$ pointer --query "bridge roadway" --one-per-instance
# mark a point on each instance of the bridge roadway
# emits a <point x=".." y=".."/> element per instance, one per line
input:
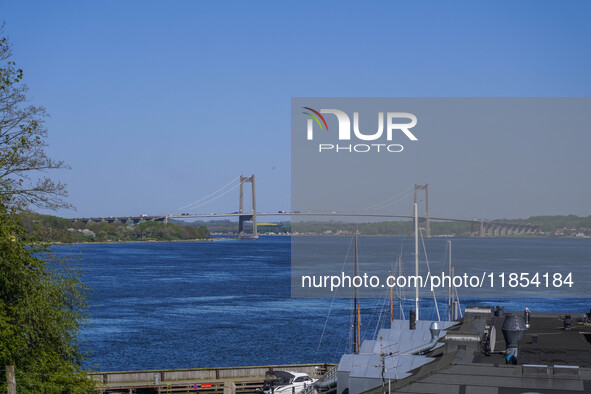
<point x="165" y="218"/>
<point x="236" y="214"/>
<point x="377" y="215"/>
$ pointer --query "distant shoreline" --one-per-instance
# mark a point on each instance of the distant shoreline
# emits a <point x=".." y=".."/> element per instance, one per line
<point x="139" y="242"/>
<point x="231" y="238"/>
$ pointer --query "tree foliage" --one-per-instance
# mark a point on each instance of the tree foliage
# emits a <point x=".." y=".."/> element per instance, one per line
<point x="52" y="229"/>
<point x="23" y="161"/>
<point x="42" y="298"/>
<point x="41" y="308"/>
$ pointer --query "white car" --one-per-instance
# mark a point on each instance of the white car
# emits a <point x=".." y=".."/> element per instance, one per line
<point x="285" y="382"/>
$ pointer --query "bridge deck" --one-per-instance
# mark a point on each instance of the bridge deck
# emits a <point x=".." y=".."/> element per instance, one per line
<point x="320" y="214"/>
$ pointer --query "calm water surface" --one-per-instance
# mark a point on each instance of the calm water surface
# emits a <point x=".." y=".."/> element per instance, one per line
<point x="227" y="303"/>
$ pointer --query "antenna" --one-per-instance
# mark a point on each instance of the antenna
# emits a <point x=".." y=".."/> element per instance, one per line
<point x="383" y="368"/>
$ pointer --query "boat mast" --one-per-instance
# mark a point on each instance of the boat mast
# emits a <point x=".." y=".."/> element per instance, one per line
<point x="401" y="310"/>
<point x="450" y="291"/>
<point x="416" y="259"/>
<point x="357" y="323"/>
<point x="358" y="327"/>
<point x="391" y="304"/>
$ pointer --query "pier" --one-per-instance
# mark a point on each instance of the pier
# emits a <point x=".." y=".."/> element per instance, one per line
<point x="226" y="380"/>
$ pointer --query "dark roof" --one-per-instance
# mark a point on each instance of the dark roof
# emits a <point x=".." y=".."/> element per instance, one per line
<point x="550" y="358"/>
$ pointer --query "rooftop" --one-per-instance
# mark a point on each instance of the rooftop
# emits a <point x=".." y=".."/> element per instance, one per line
<point x="553" y="355"/>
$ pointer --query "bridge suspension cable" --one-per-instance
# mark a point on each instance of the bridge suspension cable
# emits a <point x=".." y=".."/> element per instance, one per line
<point x="194" y="203"/>
<point x="216" y="197"/>
<point x="392" y="200"/>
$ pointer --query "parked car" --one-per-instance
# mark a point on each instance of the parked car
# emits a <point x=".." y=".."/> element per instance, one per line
<point x="285" y="382"/>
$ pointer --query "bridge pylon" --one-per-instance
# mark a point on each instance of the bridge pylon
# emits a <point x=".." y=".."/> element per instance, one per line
<point x="247" y="217"/>
<point x="426" y="219"/>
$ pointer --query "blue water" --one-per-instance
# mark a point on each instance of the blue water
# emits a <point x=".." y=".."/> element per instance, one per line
<point x="227" y="303"/>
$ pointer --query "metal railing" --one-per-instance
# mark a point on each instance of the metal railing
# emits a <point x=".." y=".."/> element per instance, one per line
<point x="330" y="374"/>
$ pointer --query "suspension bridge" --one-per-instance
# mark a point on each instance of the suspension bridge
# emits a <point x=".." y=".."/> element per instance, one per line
<point x="486" y="227"/>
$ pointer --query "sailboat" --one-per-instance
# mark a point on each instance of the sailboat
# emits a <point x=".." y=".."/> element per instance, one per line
<point x="396" y="352"/>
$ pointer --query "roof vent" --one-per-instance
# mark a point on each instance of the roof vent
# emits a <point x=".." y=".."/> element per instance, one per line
<point x="500" y="311"/>
<point x="435" y="330"/>
<point x="513" y="331"/>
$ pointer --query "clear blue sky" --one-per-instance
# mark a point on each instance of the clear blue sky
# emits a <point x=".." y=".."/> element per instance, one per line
<point x="156" y="104"/>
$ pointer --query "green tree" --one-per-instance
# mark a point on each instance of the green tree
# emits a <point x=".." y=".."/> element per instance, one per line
<point x="23" y="161"/>
<point x="41" y="305"/>
<point x="41" y="297"/>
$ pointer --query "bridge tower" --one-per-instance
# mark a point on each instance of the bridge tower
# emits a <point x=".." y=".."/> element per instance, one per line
<point x="247" y="217"/>
<point x="424" y="219"/>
